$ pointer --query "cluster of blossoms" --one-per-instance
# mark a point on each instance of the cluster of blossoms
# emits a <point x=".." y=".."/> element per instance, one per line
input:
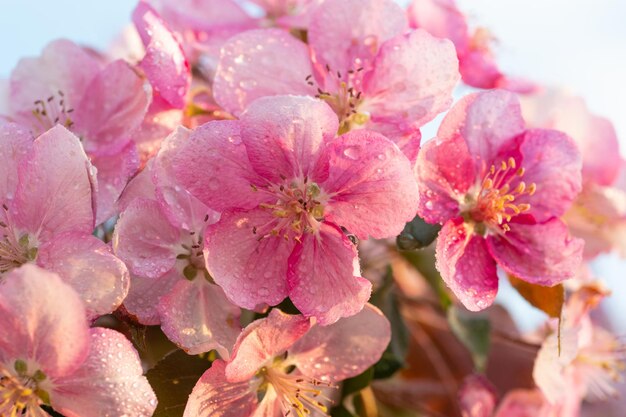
<point x="231" y="176"/>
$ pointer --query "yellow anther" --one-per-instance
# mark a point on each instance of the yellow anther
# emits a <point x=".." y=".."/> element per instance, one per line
<point x="520" y="172"/>
<point x="511" y="163"/>
<point x="532" y="188"/>
<point x="520" y="187"/>
<point x="488" y="183"/>
<point x="523" y="207"/>
<point x="503" y="165"/>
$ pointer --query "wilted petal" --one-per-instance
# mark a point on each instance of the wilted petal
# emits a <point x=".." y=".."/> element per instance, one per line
<point x="262" y="340"/>
<point x="55" y="190"/>
<point x="541" y="253"/>
<point x="411" y="82"/>
<point x="215" y="396"/>
<point x="343" y="349"/>
<point x="284" y="135"/>
<point x="466" y="265"/>
<point x="39" y="314"/>
<point x="371" y="186"/>
<point x="198" y="317"/>
<point x="343" y="30"/>
<point x="246" y="260"/>
<point x="89" y="266"/>
<point x="324" y="277"/>
<point x="252" y="65"/>
<point x="109" y="382"/>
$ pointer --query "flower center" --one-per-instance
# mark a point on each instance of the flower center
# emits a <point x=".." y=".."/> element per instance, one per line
<point x="14" y="252"/>
<point x="50" y="112"/>
<point x="190" y="259"/>
<point x="604" y="365"/>
<point x="20" y="392"/>
<point x="298" y="209"/>
<point x="343" y="94"/>
<point x="495" y="204"/>
<point x="299" y="395"/>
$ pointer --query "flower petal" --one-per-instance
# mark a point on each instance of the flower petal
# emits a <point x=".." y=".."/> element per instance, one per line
<point x="343" y="30"/>
<point x="371" y="185"/>
<point x="466" y="265"/>
<point x="343" y="349"/>
<point x="284" y="135"/>
<point x="89" y="266"/>
<point x="112" y="107"/>
<point x="109" y="382"/>
<point x="324" y="278"/>
<point x="252" y="65"/>
<point x="246" y="260"/>
<point x="42" y="319"/>
<point x="55" y="190"/>
<point x="411" y="82"/>
<point x="262" y="340"/>
<point x="142" y="300"/>
<point x="477" y="397"/>
<point x="15" y="142"/>
<point x="215" y="396"/>
<point x="554" y="255"/>
<point x="198" y="317"/>
<point x="212" y="164"/>
<point x="441" y="18"/>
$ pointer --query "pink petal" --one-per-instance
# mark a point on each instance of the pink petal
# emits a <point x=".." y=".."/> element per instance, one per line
<point x="251" y="270"/>
<point x="553" y="162"/>
<point x="39" y="314"/>
<point x="197" y="316"/>
<point x="371" y="185"/>
<point x="62" y="66"/>
<point x="411" y="82"/>
<point x="262" y="340"/>
<point x="109" y="383"/>
<point x="487" y="121"/>
<point x="142" y="300"/>
<point x="324" y="278"/>
<point x="113" y="173"/>
<point x="441" y="18"/>
<point x="55" y="190"/>
<point x="477" y="397"/>
<point x="524" y="403"/>
<point x="542" y="253"/>
<point x="140" y="186"/>
<point x="215" y="396"/>
<point x="15" y="142"/>
<point x="344" y="349"/>
<point x="145" y="240"/>
<point x="160" y="121"/>
<point x="89" y="266"/>
<point x="466" y="266"/>
<point x="342" y="31"/>
<point x="206" y="16"/>
<point x="445" y="172"/>
<point x="252" y="65"/>
<point x="113" y="105"/>
<point x="284" y="135"/>
<point x="228" y="182"/>
<point x="165" y="63"/>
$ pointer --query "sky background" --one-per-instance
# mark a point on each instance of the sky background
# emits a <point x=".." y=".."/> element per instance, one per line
<point x="576" y="44"/>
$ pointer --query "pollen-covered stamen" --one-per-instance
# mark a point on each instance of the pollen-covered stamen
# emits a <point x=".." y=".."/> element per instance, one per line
<point x="51" y="111"/>
<point x="298" y="209"/>
<point x="190" y="258"/>
<point x="14" y="251"/>
<point x="496" y="201"/>
<point x="342" y="91"/>
<point x="300" y="396"/>
<point x="20" y="391"/>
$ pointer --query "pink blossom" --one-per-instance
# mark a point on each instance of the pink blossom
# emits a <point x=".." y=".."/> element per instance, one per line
<point x="598" y="215"/>
<point x="48" y="354"/>
<point x="499" y="191"/>
<point x="289" y="363"/>
<point x="47" y="190"/>
<point x="286" y="188"/>
<point x="160" y="237"/>
<point x="477" y="63"/>
<point x="102" y="105"/>
<point x="477" y="397"/>
<point x="370" y="71"/>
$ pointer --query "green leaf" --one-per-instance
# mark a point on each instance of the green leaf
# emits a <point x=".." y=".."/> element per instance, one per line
<point x="340" y="411"/>
<point x="473" y="330"/>
<point x="417" y="234"/>
<point x="173" y="378"/>
<point x="387" y="365"/>
<point x="51" y="411"/>
<point x="547" y="299"/>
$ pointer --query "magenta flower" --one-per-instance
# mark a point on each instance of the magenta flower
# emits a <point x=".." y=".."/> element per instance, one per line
<point x="370" y="72"/>
<point x="48" y="354"/>
<point x="286" y="187"/>
<point x="477" y="64"/>
<point x="499" y="190"/>
<point x="160" y="237"/>
<point x="102" y="105"/>
<point x="46" y="217"/>
<point x="283" y="365"/>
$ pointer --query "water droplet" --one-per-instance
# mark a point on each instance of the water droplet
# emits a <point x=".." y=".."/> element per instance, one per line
<point x="352" y="152"/>
<point x="429" y="205"/>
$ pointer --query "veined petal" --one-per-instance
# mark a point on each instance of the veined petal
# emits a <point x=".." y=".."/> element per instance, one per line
<point x="143" y="297"/>
<point x="15" y="142"/>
